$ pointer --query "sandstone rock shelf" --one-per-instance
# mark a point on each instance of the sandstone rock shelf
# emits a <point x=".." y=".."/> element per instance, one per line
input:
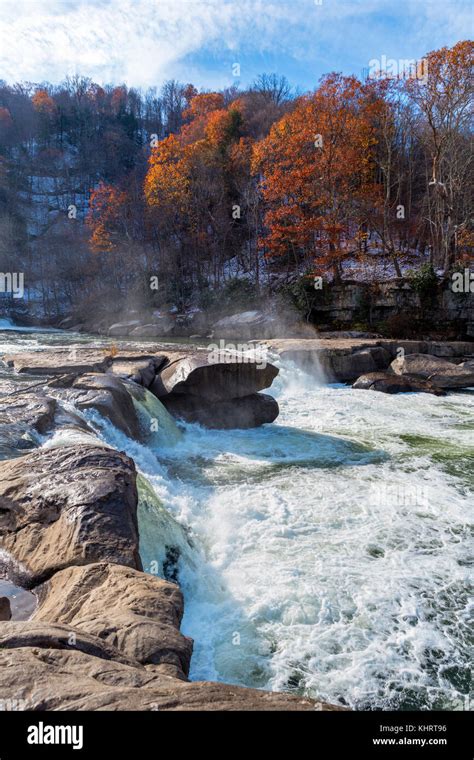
<point x="191" y="383"/>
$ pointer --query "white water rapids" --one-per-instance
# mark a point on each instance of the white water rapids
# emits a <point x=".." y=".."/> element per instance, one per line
<point x="327" y="553"/>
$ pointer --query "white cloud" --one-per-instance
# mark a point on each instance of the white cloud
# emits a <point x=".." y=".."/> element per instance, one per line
<point x="139" y="41"/>
<point x="143" y="42"/>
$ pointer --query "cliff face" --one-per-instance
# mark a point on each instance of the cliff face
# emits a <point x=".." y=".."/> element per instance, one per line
<point x="357" y="302"/>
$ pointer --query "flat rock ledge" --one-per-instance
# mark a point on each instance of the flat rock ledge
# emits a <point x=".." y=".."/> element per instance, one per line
<point x="419" y="372"/>
<point x="105" y="635"/>
<point x="217" y="389"/>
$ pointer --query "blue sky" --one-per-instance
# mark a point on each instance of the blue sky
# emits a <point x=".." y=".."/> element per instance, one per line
<point x="145" y="42"/>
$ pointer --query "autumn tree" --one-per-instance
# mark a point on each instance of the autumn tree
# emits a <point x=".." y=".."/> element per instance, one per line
<point x="193" y="191"/>
<point x="198" y="187"/>
<point x="317" y="168"/>
<point x="392" y="210"/>
<point x="443" y="98"/>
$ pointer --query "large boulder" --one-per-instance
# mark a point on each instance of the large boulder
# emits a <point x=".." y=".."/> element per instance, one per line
<point x="339" y="359"/>
<point x="142" y="369"/>
<point x="386" y="382"/>
<point x="246" y="325"/>
<point x="110" y="397"/>
<point x="161" y="326"/>
<point x="27" y="415"/>
<point x="231" y="376"/>
<point x="29" y="408"/>
<point x="123" y="328"/>
<point x="346" y="359"/>
<point x="244" y="412"/>
<point x="64" y="506"/>
<point x="137" y="613"/>
<point x="441" y="373"/>
<point x="345" y="366"/>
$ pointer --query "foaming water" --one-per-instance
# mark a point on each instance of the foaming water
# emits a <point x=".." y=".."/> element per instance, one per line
<point x="327" y="553"/>
<point x="72" y="436"/>
<point x="163" y="541"/>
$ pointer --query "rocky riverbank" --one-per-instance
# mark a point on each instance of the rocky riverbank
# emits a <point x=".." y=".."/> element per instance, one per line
<point x="393" y="306"/>
<point x="105" y="635"/>
<point x="391" y="366"/>
<point x="220" y="391"/>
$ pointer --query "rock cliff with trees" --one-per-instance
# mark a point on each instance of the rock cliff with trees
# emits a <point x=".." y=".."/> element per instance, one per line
<point x="180" y="203"/>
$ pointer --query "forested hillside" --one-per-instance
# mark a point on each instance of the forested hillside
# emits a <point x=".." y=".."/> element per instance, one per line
<point x="172" y="198"/>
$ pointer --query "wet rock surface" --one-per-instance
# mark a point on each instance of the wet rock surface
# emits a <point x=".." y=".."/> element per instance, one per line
<point x="199" y="376"/>
<point x="437" y="370"/>
<point x="244" y="412"/>
<point x="105" y="635"/>
<point x="387" y="382"/>
<point x="137" y="613"/>
<point x="51" y="678"/>
<point x="24" y="417"/>
<point x="66" y="506"/>
<point x="346" y="359"/>
<point x="109" y="396"/>
<point x="219" y="392"/>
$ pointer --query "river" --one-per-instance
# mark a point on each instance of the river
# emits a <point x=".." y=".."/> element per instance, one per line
<point x="329" y="553"/>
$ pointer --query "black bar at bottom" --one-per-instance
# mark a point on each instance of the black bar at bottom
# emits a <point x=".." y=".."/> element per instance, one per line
<point x="131" y="734"/>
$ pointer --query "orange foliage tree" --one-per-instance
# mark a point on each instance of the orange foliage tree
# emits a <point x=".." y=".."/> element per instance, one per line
<point x="106" y="218"/>
<point x="191" y="186"/>
<point x="316" y="174"/>
<point x="43" y="103"/>
<point x="167" y="180"/>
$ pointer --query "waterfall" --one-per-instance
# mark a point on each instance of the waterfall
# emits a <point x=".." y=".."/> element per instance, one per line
<point x="328" y="553"/>
<point x="163" y="541"/>
<point x="157" y="424"/>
